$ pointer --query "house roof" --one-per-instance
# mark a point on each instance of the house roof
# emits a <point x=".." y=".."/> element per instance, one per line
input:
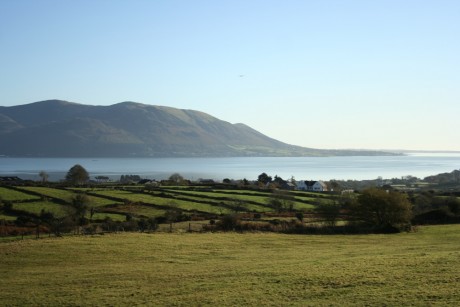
<point x="310" y="183"/>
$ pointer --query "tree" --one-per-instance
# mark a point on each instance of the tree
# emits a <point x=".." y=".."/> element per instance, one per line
<point x="77" y="174"/>
<point x="5" y="205"/>
<point x="279" y="182"/>
<point x="299" y="215"/>
<point x="176" y="178"/>
<point x="423" y="203"/>
<point x="80" y="203"/>
<point x="329" y="213"/>
<point x="275" y="203"/>
<point x="237" y="205"/>
<point x="142" y="224"/>
<point x="152" y="224"/>
<point x="334" y="186"/>
<point x="381" y="209"/>
<point x="129" y="178"/>
<point x="44" y="176"/>
<point x="172" y="214"/>
<point x="149" y="224"/>
<point x="264" y="178"/>
<point x="454" y="205"/>
<point x="102" y="178"/>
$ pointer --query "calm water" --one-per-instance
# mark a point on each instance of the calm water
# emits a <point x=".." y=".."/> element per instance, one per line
<point x="325" y="168"/>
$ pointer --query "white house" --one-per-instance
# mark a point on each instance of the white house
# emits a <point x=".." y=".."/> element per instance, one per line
<point x="319" y="186"/>
<point x="311" y="185"/>
<point x="301" y="185"/>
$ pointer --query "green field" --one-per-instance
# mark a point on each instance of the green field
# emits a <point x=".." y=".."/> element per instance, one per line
<point x="137" y="202"/>
<point x="160" y="201"/>
<point x="112" y="216"/>
<point x="229" y="269"/>
<point x="38" y="206"/>
<point x="261" y="199"/>
<point x="136" y="210"/>
<point x="51" y="192"/>
<point x="217" y="199"/>
<point x="68" y="195"/>
<point x="13" y="195"/>
<point x="4" y="217"/>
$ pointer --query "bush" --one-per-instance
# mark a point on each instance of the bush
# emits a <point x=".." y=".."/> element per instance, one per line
<point x="228" y="222"/>
<point x="382" y="209"/>
<point x="299" y="216"/>
<point x="330" y="213"/>
<point x="438" y="216"/>
<point x="149" y="224"/>
<point x="454" y="205"/>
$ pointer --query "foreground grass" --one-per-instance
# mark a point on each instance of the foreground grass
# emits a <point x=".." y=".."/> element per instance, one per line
<point x="234" y="269"/>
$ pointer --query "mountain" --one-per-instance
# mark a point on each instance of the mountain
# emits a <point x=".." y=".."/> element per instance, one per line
<point x="56" y="128"/>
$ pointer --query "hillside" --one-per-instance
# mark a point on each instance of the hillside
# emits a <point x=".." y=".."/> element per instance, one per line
<point x="56" y="128"/>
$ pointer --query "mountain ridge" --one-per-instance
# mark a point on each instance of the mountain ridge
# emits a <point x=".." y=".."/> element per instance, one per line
<point x="57" y="128"/>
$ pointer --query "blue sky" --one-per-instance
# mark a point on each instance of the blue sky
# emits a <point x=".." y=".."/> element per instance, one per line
<point x="324" y="74"/>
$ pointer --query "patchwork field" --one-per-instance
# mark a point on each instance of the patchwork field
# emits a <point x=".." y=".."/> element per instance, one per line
<point x="232" y="269"/>
<point x="140" y="203"/>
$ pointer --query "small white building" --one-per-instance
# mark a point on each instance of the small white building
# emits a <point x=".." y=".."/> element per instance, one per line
<point x="301" y="185"/>
<point x="319" y="186"/>
<point x="311" y="185"/>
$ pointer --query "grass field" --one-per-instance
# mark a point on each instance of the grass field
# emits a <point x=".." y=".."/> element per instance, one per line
<point x="153" y="203"/>
<point x="13" y="195"/>
<point x="137" y="210"/>
<point x="155" y="200"/>
<point x="7" y="217"/>
<point x="261" y="198"/>
<point x="229" y="269"/>
<point x="112" y="216"/>
<point x="68" y="195"/>
<point x="38" y="206"/>
<point x="51" y="192"/>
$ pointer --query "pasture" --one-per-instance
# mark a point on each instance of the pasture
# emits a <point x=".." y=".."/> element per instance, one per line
<point x="230" y="269"/>
<point x="66" y="195"/>
<point x="13" y="195"/>
<point x="138" y="202"/>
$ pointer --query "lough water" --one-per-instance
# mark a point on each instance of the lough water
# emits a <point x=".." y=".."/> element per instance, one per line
<point x="323" y="168"/>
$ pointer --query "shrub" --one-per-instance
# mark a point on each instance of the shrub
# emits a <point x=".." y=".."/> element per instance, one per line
<point x="6" y="205"/>
<point x="299" y="216"/>
<point x="228" y="222"/>
<point x="382" y="209"/>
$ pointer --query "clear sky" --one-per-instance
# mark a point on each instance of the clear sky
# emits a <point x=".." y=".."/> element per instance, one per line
<point x="374" y="74"/>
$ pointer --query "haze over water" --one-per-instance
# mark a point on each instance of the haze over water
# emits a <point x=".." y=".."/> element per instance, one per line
<point x="302" y="168"/>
